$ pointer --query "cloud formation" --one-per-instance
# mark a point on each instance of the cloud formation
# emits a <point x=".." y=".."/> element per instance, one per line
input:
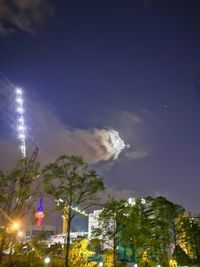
<point x="53" y="137"/>
<point x="118" y="194"/>
<point x="23" y="15"/>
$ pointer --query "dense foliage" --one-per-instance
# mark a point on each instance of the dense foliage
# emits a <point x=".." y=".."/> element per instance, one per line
<point x="149" y="231"/>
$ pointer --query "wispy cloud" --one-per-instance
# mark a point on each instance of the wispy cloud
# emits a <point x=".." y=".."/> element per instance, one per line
<point x="23" y="15"/>
<point x="114" y="193"/>
<point x="132" y="127"/>
<point x="138" y="154"/>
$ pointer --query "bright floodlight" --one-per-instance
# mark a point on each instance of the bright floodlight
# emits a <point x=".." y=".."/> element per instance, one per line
<point x="47" y="260"/>
<point x="21" y="128"/>
<point x="15" y="225"/>
<point x="20" y="120"/>
<point x="20" y="110"/>
<point x="19" y="100"/>
<point x="21" y="136"/>
<point x="18" y="91"/>
<point x="22" y="148"/>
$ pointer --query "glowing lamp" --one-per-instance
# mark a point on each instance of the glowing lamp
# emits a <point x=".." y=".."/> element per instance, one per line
<point x="47" y="260"/>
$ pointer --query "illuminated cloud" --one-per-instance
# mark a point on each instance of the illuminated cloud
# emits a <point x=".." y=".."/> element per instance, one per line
<point x="54" y="138"/>
<point x="112" y="142"/>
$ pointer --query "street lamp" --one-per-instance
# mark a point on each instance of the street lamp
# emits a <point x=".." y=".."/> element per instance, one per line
<point x="47" y="260"/>
<point x="15" y="226"/>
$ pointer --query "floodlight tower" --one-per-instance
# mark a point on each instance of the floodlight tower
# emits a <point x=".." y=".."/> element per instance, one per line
<point x="20" y="121"/>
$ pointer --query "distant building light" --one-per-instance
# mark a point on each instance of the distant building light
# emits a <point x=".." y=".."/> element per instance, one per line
<point x="131" y="201"/>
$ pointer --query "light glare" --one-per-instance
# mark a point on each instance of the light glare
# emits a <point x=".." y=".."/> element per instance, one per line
<point x="19" y="100"/>
<point x="20" y="234"/>
<point x="18" y="91"/>
<point x="47" y="260"/>
<point x="15" y="226"/>
<point x="20" y="110"/>
<point x="21" y="119"/>
<point x="21" y="128"/>
<point x="22" y="136"/>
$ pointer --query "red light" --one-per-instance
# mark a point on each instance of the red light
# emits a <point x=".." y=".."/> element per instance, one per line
<point x="39" y="215"/>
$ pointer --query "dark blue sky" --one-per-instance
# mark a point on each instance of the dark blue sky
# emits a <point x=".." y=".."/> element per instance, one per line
<point x="96" y="59"/>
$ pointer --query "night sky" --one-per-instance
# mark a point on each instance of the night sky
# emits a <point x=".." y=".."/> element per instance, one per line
<point x="131" y="65"/>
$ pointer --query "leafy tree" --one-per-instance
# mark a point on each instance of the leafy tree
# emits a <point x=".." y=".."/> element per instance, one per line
<point x="189" y="236"/>
<point x="151" y="229"/>
<point x="181" y="257"/>
<point x="70" y="180"/>
<point x="138" y="229"/>
<point x="111" y="222"/>
<point x="16" y="199"/>
<point x="108" y="258"/>
<point x="32" y="253"/>
<point x="147" y="225"/>
<point x="80" y="254"/>
<point x="163" y="214"/>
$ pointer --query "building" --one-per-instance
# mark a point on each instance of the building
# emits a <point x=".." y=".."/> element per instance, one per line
<point x="43" y="231"/>
<point x="62" y="238"/>
<point x="93" y="222"/>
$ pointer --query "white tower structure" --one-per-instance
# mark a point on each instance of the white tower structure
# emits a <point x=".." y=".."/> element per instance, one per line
<point x="20" y="120"/>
